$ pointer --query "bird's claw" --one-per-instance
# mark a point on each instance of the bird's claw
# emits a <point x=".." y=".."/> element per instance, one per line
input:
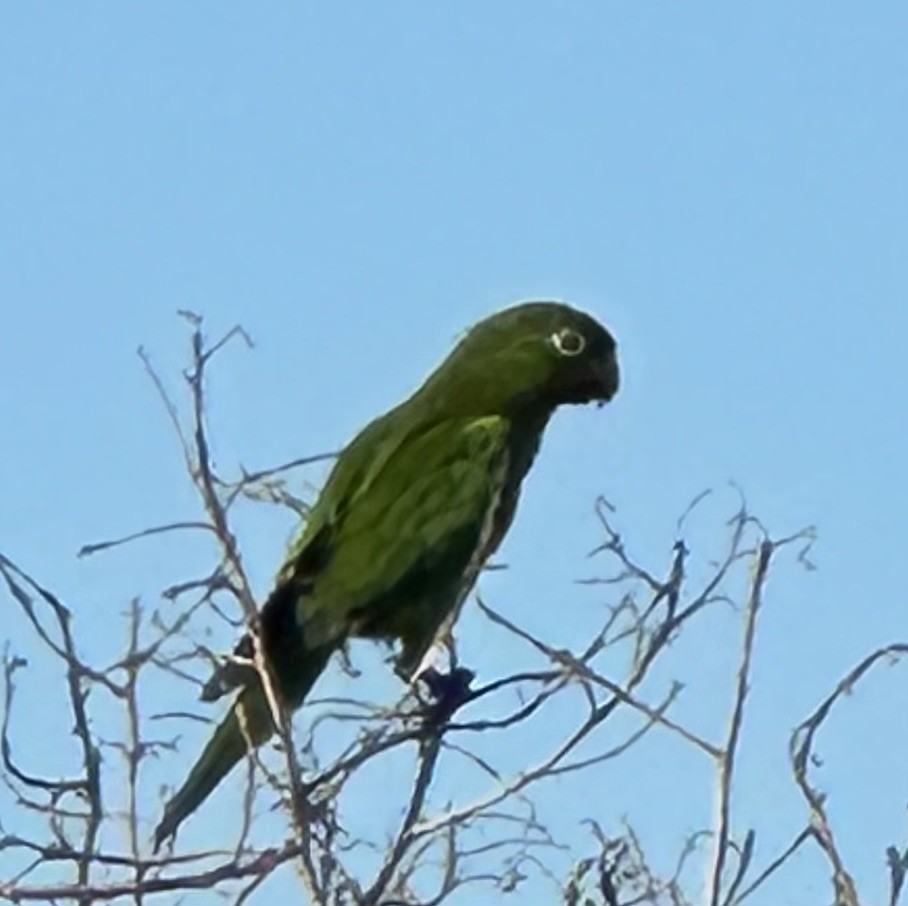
<point x="446" y="692"/>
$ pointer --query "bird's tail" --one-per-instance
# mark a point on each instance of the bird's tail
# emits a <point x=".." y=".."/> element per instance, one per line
<point x="246" y="727"/>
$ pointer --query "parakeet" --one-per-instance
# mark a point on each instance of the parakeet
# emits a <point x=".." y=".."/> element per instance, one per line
<point x="412" y="509"/>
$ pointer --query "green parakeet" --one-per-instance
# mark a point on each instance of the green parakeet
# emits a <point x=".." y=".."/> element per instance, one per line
<point x="414" y="506"/>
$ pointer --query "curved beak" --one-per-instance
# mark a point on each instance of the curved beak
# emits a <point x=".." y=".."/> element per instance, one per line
<point x="605" y="378"/>
<point x="596" y="381"/>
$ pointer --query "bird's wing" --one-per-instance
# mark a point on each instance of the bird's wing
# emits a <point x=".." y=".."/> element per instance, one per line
<point x="414" y="534"/>
<point x="363" y="458"/>
<point x="393" y="543"/>
<point x="313" y="547"/>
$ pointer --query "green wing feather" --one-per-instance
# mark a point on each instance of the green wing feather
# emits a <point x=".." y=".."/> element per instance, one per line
<point x="401" y="553"/>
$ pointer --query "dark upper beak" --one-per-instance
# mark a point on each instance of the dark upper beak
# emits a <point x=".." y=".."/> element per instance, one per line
<point x="604" y="376"/>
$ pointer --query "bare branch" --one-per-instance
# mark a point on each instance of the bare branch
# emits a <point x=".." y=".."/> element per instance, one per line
<point x="726" y="760"/>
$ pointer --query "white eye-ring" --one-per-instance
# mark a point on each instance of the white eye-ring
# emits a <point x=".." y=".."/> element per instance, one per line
<point x="568" y="342"/>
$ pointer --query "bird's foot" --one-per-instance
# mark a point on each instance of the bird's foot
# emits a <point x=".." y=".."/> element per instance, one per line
<point x="446" y="692"/>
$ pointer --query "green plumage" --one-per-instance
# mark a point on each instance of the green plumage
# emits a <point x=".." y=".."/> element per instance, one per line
<point x="412" y="509"/>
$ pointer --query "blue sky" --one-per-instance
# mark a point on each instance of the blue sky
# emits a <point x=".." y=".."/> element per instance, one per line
<point x="726" y="187"/>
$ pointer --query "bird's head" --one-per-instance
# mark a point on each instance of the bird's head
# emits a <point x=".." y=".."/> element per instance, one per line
<point x="536" y="354"/>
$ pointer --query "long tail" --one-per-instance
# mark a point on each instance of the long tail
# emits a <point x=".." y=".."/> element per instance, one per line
<point x="249" y="719"/>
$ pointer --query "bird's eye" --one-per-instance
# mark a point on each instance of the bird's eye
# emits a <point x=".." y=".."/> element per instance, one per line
<point x="568" y="342"/>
